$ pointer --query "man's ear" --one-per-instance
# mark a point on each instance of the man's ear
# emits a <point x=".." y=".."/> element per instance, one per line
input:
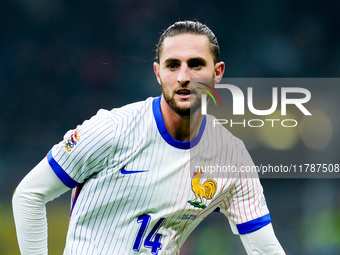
<point x="219" y="71"/>
<point x="156" y="70"/>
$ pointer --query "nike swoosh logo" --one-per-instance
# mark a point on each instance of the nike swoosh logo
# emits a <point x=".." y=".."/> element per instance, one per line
<point x="123" y="171"/>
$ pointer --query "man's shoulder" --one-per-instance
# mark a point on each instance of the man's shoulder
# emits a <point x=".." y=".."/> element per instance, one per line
<point x="134" y="108"/>
<point x="128" y="112"/>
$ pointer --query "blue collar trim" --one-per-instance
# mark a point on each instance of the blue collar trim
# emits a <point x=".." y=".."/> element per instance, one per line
<point x="156" y="107"/>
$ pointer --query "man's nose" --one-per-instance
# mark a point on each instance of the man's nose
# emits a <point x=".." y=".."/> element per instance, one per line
<point x="184" y="75"/>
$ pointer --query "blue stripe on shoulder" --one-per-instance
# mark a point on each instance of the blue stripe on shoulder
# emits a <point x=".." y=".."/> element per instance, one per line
<point x="253" y="225"/>
<point x="62" y="175"/>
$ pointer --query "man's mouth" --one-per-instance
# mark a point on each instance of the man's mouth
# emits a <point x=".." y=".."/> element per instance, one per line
<point x="183" y="92"/>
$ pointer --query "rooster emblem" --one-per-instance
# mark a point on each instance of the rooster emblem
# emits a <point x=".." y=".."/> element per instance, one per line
<point x="206" y="190"/>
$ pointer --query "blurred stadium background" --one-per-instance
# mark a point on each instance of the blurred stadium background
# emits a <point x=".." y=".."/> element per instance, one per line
<point x="63" y="60"/>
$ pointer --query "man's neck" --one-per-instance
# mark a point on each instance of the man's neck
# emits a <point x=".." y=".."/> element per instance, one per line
<point x="182" y="128"/>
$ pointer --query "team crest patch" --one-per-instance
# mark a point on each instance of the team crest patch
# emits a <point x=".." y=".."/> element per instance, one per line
<point x="206" y="190"/>
<point x="72" y="141"/>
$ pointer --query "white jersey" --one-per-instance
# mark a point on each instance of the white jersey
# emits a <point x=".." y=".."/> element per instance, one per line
<point x="134" y="190"/>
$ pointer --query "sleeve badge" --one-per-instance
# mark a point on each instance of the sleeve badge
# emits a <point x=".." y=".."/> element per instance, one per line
<point x="72" y="141"/>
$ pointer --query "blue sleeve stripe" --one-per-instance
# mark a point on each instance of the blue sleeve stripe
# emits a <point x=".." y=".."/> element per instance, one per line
<point x="63" y="176"/>
<point x="253" y="225"/>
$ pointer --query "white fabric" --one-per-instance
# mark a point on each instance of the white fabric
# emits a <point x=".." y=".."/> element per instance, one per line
<point x="104" y="218"/>
<point x="262" y="242"/>
<point x="130" y="167"/>
<point x="34" y="191"/>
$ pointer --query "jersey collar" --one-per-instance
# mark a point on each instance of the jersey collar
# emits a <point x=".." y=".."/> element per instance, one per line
<point x="156" y="107"/>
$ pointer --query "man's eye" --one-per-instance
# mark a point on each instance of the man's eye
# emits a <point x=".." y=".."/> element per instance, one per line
<point x="196" y="64"/>
<point x="173" y="65"/>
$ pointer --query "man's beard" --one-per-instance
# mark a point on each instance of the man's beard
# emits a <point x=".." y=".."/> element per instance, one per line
<point x="194" y="106"/>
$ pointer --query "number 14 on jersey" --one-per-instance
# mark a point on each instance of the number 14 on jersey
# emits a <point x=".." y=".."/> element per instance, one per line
<point x="153" y="240"/>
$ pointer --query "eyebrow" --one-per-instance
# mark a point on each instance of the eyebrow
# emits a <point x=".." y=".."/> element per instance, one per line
<point x="197" y="60"/>
<point x="172" y="60"/>
<point x="190" y="60"/>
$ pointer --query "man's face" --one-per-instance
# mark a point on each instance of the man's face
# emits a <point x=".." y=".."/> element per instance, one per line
<point x="183" y="57"/>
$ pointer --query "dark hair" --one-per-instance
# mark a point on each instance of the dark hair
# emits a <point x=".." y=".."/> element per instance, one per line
<point x="190" y="27"/>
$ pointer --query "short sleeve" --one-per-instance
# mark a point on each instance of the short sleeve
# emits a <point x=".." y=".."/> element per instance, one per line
<point x="84" y="150"/>
<point x="245" y="206"/>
